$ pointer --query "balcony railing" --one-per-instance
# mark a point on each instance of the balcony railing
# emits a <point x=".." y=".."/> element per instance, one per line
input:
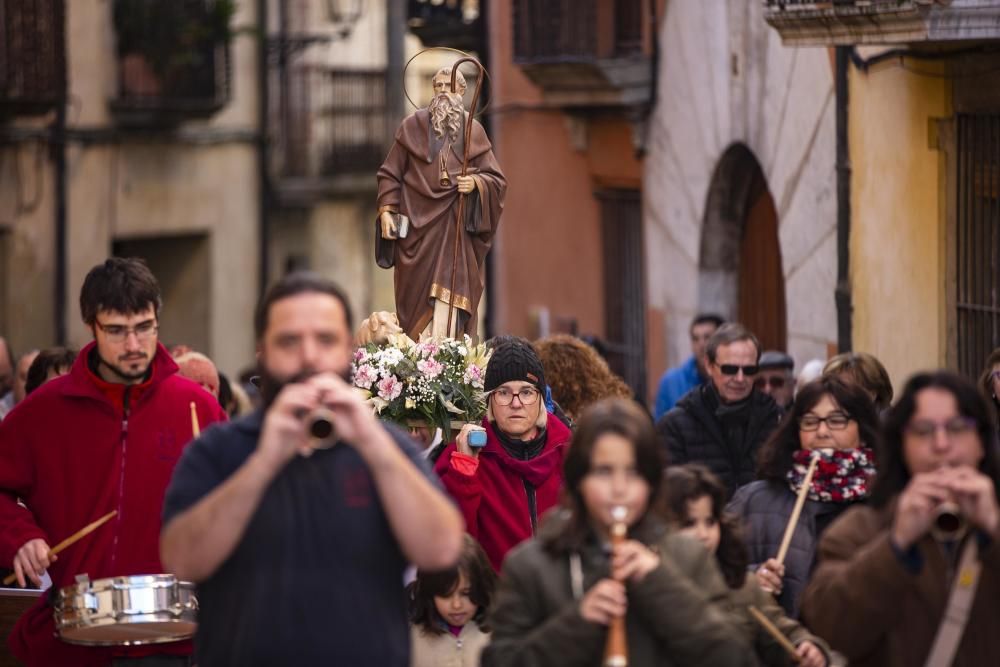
<point x="584" y="53"/>
<point x="173" y="59"/>
<point x="337" y="123"/>
<point x="32" y="55"/>
<point x="814" y="23"/>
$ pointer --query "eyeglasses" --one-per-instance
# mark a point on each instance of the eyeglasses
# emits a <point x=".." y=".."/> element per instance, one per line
<point x="118" y="333"/>
<point x="776" y="382"/>
<point x="835" y="421"/>
<point x="925" y="430"/>
<point x="503" y="396"/>
<point x="733" y="369"/>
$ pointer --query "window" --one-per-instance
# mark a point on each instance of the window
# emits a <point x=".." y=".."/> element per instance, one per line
<point x="978" y="240"/>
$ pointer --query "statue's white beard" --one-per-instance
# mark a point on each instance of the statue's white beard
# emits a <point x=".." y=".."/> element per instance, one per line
<point x="446" y="112"/>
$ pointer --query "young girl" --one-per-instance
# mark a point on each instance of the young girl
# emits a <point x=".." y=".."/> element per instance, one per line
<point x="448" y="611"/>
<point x="695" y="498"/>
<point x="561" y="590"/>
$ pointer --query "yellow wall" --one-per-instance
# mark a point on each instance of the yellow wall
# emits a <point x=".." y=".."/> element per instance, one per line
<point x="897" y="240"/>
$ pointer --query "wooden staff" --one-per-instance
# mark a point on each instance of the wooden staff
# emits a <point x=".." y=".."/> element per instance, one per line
<point x="465" y="167"/>
<point x="616" y="649"/>
<point x="772" y="630"/>
<point x="195" y="428"/>
<point x="796" y="511"/>
<point x="72" y="539"/>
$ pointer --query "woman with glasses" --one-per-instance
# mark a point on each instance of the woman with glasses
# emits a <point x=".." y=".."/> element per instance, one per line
<point x="504" y="482"/>
<point x="989" y="384"/>
<point x="927" y="542"/>
<point x="836" y="422"/>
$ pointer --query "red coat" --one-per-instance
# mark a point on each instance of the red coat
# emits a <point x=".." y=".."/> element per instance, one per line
<point x="71" y="455"/>
<point x="493" y="498"/>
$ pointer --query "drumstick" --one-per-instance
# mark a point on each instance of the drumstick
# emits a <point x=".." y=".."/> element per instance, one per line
<point x="72" y="539"/>
<point x="195" y="428"/>
<point x="796" y="511"/>
<point x="776" y="633"/>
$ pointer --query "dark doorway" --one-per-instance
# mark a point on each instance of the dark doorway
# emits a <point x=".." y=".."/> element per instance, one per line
<point x="624" y="287"/>
<point x="741" y="273"/>
<point x="181" y="265"/>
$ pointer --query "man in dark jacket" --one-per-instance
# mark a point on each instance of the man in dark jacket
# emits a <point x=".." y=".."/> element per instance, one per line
<point x="104" y="437"/>
<point x="724" y="422"/>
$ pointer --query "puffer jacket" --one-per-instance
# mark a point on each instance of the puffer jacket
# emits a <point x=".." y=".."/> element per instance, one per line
<point x="764" y="507"/>
<point x="693" y="433"/>
<point x="676" y="614"/>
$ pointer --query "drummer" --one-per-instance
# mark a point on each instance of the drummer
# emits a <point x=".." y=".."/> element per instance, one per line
<point x="104" y="437"/>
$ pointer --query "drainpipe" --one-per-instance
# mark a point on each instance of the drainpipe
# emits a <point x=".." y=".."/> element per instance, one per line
<point x="58" y="153"/>
<point x="263" y="157"/>
<point x="842" y="294"/>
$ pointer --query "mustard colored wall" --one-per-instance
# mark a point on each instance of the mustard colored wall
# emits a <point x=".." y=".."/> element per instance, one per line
<point x="897" y="238"/>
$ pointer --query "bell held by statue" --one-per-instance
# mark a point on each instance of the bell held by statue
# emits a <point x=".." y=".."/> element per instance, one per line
<point x="444" y="179"/>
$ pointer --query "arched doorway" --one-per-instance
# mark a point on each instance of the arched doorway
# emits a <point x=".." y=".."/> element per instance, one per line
<point x="740" y="268"/>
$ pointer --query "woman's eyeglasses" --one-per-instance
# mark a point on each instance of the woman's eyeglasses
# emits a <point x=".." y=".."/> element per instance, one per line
<point x="505" y="397"/>
<point x="836" y="421"/>
<point x="925" y="430"/>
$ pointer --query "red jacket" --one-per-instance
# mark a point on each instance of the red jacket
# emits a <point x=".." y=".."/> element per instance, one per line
<point x="492" y="495"/>
<point x="72" y="453"/>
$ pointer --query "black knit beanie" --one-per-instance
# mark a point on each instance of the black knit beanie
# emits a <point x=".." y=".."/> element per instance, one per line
<point x="514" y="361"/>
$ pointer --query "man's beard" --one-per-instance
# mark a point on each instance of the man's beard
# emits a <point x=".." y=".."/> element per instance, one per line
<point x="447" y="113"/>
<point x="125" y="374"/>
<point x="271" y="385"/>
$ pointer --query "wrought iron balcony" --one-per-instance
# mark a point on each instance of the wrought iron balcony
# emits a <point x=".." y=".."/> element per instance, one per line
<point x="583" y="53"/>
<point x="454" y="23"/>
<point x="32" y="56"/>
<point x="334" y="133"/>
<point x="173" y="59"/>
<point x="842" y="22"/>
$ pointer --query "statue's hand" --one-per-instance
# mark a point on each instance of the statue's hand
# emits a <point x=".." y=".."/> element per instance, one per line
<point x="466" y="184"/>
<point x="389" y="230"/>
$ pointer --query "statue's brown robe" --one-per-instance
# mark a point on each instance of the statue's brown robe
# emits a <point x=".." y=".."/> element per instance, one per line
<point x="409" y="183"/>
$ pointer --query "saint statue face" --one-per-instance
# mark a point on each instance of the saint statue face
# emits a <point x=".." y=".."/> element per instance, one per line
<point x="442" y="83"/>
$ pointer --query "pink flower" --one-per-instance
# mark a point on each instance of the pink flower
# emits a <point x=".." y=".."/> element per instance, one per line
<point x="428" y="349"/>
<point x="473" y="376"/>
<point x="430" y="368"/>
<point x="360" y="355"/>
<point x="365" y="376"/>
<point x="390" y="388"/>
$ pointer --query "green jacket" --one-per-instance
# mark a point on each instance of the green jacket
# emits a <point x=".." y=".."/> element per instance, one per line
<point x="675" y="614"/>
<point x="768" y="650"/>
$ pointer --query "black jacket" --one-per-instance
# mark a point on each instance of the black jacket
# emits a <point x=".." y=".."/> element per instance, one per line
<point x="693" y="432"/>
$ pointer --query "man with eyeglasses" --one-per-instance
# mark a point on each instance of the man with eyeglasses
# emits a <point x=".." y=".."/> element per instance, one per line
<point x="103" y="437"/>
<point x="504" y="486"/>
<point x="776" y="378"/>
<point x="724" y="422"/>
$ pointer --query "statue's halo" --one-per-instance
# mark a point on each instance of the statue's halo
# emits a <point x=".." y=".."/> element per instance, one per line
<point x="443" y="48"/>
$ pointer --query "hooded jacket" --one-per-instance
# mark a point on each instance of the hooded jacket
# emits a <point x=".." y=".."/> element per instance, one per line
<point x="75" y="449"/>
<point x="500" y="496"/>
<point x="677" y="615"/>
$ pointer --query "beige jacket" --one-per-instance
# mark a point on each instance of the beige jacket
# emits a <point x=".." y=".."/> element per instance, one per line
<point x="447" y="650"/>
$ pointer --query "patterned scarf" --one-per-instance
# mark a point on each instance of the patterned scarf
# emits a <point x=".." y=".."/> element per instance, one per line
<point x="842" y="475"/>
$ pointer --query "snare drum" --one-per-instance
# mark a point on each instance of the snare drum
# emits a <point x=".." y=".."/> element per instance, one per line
<point x="123" y="611"/>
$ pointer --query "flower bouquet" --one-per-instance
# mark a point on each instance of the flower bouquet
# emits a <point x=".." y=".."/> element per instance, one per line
<point x="436" y="382"/>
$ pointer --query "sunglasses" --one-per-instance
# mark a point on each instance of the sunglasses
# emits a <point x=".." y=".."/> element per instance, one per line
<point x="733" y="369"/>
<point x="776" y="382"/>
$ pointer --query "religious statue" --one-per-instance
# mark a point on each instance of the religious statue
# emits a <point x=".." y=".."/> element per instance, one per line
<point x="439" y="168"/>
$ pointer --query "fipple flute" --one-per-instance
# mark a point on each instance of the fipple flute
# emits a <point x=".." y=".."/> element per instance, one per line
<point x="616" y="650"/>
